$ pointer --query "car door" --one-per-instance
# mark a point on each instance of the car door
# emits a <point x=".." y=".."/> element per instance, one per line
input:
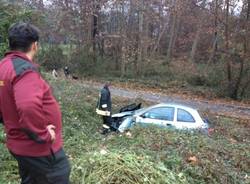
<point x="160" y="116"/>
<point x="185" y="119"/>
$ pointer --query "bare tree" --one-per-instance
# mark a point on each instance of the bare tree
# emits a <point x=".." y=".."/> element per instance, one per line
<point x="199" y="30"/>
<point x="215" y="42"/>
<point x="173" y="29"/>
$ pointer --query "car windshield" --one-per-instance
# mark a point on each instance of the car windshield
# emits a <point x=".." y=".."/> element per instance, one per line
<point x="139" y="110"/>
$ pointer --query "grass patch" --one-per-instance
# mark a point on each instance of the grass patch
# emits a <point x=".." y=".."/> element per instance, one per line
<point x="150" y="155"/>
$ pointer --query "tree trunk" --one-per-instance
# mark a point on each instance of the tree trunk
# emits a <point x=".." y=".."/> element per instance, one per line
<point x="216" y="27"/>
<point x="123" y="57"/>
<point x="123" y="49"/>
<point x="141" y="40"/>
<point x="247" y="27"/>
<point x="246" y="51"/>
<point x="197" y="36"/>
<point x="214" y="51"/>
<point x="194" y="46"/>
<point x="227" y="58"/>
<point x="95" y="28"/>
<point x="161" y="29"/>
<point x="88" y="26"/>
<point x="212" y="57"/>
<point x="156" y="46"/>
<point x="173" y="32"/>
<point x="238" y="80"/>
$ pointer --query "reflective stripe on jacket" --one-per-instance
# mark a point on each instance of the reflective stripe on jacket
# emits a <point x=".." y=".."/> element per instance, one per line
<point x="104" y="102"/>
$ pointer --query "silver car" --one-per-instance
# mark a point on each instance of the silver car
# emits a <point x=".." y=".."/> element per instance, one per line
<point x="163" y="115"/>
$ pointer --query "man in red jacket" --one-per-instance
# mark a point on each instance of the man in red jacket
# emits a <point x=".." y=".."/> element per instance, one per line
<point x="30" y="113"/>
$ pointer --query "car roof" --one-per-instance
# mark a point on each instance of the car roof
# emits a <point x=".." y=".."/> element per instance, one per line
<point x="174" y="105"/>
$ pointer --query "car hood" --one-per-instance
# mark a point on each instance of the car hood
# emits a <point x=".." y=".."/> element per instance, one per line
<point x="129" y="113"/>
<point x="122" y="114"/>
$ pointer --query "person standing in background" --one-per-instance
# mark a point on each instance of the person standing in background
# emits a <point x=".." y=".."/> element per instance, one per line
<point x="54" y="74"/>
<point x="104" y="108"/>
<point x="66" y="71"/>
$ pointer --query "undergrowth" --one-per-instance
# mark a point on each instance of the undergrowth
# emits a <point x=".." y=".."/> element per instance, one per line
<point x="148" y="155"/>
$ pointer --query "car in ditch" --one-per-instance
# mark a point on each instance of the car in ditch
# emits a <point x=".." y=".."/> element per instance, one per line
<point x="162" y="115"/>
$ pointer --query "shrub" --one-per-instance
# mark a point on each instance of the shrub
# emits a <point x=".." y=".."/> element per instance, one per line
<point x="197" y="80"/>
<point x="122" y="168"/>
<point x="52" y="57"/>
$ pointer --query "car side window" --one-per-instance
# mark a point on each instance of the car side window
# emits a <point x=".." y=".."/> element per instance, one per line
<point x="162" y="113"/>
<point x="184" y="116"/>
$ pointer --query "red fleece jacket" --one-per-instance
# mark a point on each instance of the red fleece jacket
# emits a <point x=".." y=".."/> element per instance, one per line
<point x="27" y="107"/>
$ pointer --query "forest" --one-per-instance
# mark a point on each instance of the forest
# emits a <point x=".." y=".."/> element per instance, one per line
<point x="196" y="52"/>
<point x="200" y="46"/>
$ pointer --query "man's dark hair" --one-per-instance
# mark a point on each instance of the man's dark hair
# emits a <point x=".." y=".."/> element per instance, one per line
<point x="22" y="35"/>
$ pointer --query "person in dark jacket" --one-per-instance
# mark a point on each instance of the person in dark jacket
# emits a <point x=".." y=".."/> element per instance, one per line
<point x="66" y="71"/>
<point x="31" y="115"/>
<point x="104" y="107"/>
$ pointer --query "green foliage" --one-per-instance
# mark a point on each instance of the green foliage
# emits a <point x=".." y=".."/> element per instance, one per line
<point x="10" y="14"/>
<point x="81" y="62"/>
<point x="52" y="57"/>
<point x="238" y="87"/>
<point x="151" y="155"/>
<point x="207" y="75"/>
<point x="197" y="80"/>
<point x="8" y="166"/>
<point x="122" y="168"/>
